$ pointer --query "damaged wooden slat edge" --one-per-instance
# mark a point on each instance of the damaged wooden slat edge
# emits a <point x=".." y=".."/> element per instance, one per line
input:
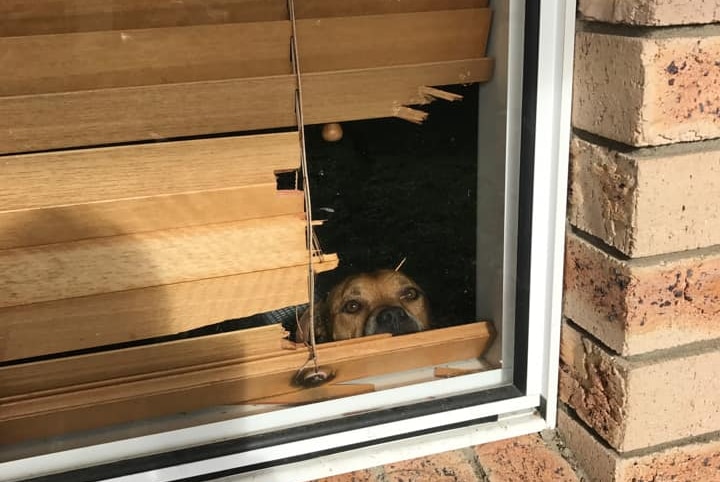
<point x="119" y="263"/>
<point x="411" y="115"/>
<point x="427" y="95"/>
<point x="58" y="224"/>
<point x="137" y="171"/>
<point x="434" y="93"/>
<point x="109" y="318"/>
<point x="234" y="383"/>
<point x="162" y="111"/>
<point x="56" y="373"/>
<point x="141" y="188"/>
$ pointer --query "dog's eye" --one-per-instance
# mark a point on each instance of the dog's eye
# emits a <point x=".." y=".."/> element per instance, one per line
<point x="410" y="294"/>
<point x="351" y="306"/>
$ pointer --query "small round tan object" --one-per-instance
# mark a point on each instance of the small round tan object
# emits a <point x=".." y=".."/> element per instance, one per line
<point x="332" y="132"/>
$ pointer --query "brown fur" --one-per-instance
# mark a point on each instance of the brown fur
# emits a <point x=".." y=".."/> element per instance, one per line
<point x="384" y="301"/>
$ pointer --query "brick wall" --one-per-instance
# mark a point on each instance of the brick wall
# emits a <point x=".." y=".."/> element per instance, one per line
<point x="640" y="355"/>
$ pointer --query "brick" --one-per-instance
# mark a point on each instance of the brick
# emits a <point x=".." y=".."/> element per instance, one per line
<point x="599" y="462"/>
<point x="647" y="201"/>
<point x="523" y="459"/>
<point x="651" y="12"/>
<point x="694" y="461"/>
<point x="638" y="402"/>
<point x="357" y="476"/>
<point x="638" y="305"/>
<point x="689" y="463"/>
<point x="649" y="90"/>
<point x="444" y="467"/>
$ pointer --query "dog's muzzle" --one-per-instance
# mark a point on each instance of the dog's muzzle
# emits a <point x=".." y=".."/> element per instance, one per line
<point x="394" y="320"/>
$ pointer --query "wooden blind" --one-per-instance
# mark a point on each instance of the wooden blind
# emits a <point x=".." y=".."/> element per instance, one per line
<point x="135" y="201"/>
<point x="85" y="73"/>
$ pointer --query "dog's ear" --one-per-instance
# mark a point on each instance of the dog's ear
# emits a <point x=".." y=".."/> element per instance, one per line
<point x="323" y="331"/>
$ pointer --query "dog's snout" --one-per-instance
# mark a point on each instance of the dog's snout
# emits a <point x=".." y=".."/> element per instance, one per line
<point x="394" y="320"/>
<point x="390" y="319"/>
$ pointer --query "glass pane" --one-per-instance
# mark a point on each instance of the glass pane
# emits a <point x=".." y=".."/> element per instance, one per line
<point x="153" y="222"/>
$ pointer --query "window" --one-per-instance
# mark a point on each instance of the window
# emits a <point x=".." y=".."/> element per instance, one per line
<point x="151" y="165"/>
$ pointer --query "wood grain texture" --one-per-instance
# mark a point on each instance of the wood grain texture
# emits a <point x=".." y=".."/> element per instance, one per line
<point x="172" y="392"/>
<point x="394" y="39"/>
<point x="331" y="8"/>
<point x="47" y="121"/>
<point x="104" y="367"/>
<point x="100" y="60"/>
<point x="57" y="224"/>
<point x="73" y="324"/>
<point x="375" y="93"/>
<point x="107" y="174"/>
<point x="119" y="263"/>
<point x="120" y="190"/>
<point x="157" y="112"/>
<point x="35" y="17"/>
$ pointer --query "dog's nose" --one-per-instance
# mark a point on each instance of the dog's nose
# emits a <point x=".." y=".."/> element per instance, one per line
<point x="394" y="320"/>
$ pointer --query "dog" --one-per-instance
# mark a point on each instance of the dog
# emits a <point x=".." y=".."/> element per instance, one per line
<point x="384" y="301"/>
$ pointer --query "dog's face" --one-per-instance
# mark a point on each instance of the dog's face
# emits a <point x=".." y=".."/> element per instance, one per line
<point x="384" y="301"/>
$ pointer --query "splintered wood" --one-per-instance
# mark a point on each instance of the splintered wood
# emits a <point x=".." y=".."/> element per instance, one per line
<point x="433" y="93"/>
<point x="76" y="323"/>
<point x="162" y="76"/>
<point x="120" y="263"/>
<point x="411" y="115"/>
<point x="94" y="193"/>
<point x="151" y="240"/>
<point x="47" y="398"/>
